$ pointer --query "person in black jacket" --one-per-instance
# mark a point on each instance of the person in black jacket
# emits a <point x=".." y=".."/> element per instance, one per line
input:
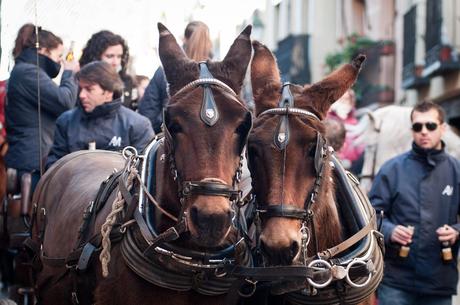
<point x="419" y="194"/>
<point x="21" y="109"/>
<point x="197" y="46"/>
<point x="100" y="117"/>
<point x="113" y="49"/>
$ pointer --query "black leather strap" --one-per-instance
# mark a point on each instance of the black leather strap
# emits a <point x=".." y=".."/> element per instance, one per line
<point x="170" y="234"/>
<point x="282" y="210"/>
<point x="209" y="189"/>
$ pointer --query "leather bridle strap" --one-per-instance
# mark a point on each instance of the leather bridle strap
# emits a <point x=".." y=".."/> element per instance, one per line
<point x="209" y="189"/>
<point x="282" y="210"/>
<point x="290" y="273"/>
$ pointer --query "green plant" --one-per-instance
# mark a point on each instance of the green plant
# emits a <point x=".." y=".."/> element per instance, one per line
<point x="354" y="44"/>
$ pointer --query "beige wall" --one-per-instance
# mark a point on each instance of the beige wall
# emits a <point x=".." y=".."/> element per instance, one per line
<point x="322" y="37"/>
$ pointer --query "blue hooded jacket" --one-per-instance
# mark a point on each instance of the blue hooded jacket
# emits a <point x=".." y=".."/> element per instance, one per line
<point x="21" y="109"/>
<point x="419" y="188"/>
<point x="111" y="125"/>
<point x="155" y="99"/>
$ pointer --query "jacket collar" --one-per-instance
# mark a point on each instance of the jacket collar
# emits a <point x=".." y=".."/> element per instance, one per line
<point x="50" y="67"/>
<point x="106" y="109"/>
<point x="430" y="156"/>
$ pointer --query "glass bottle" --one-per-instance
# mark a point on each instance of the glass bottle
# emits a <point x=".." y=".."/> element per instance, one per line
<point x="70" y="56"/>
<point x="446" y="252"/>
<point x="405" y="249"/>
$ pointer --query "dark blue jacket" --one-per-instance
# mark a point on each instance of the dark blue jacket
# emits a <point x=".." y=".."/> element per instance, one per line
<point x="155" y="99"/>
<point x="111" y="125"/>
<point x="419" y="188"/>
<point x="21" y="109"/>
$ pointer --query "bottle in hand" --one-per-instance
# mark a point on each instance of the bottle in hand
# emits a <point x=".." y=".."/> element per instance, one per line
<point x="446" y="251"/>
<point x="70" y="55"/>
<point x="405" y="249"/>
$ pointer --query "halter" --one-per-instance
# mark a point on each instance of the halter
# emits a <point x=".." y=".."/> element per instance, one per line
<point x="209" y="114"/>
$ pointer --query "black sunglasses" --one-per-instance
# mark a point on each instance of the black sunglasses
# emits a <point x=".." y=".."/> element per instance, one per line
<point x="431" y="126"/>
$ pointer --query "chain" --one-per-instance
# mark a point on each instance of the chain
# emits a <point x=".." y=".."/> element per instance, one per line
<point x="305" y="240"/>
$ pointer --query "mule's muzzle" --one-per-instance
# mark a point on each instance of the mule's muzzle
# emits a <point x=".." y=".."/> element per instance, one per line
<point x="210" y="227"/>
<point x="277" y="255"/>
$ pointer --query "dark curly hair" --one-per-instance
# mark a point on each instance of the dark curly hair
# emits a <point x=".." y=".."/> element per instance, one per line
<point x="98" y="43"/>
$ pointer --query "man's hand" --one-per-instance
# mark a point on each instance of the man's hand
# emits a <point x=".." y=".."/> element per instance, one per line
<point x="402" y="235"/>
<point x="447" y="233"/>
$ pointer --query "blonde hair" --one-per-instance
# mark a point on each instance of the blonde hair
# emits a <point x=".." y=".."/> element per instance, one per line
<point x="198" y="45"/>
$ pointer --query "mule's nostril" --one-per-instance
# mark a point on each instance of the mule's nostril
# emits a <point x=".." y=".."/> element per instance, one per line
<point x="194" y="214"/>
<point x="294" y="249"/>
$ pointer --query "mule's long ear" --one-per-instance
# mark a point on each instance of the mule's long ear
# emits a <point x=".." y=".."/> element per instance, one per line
<point x="237" y="60"/>
<point x="265" y="78"/>
<point x="173" y="59"/>
<point x="324" y="93"/>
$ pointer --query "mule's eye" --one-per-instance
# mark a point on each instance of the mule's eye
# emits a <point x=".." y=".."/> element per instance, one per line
<point x="241" y="129"/>
<point x="311" y="151"/>
<point x="174" y="128"/>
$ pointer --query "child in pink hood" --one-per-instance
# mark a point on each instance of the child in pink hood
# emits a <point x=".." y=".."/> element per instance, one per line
<point x="344" y="111"/>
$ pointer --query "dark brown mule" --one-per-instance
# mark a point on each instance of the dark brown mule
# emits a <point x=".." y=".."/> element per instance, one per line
<point x="195" y="149"/>
<point x="290" y="163"/>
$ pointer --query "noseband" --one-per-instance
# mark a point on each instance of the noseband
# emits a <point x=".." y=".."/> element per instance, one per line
<point x="281" y="140"/>
<point x="209" y="114"/>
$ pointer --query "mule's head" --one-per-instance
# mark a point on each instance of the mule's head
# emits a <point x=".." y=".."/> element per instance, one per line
<point x="206" y="127"/>
<point x="287" y="156"/>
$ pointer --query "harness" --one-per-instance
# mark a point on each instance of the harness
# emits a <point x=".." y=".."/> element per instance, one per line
<point x="326" y="277"/>
<point x="147" y="252"/>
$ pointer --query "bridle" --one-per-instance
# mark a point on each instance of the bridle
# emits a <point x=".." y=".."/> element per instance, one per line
<point x="319" y="270"/>
<point x="210" y="115"/>
<point x="281" y="140"/>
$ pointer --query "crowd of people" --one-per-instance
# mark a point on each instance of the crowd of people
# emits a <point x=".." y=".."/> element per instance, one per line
<point x="85" y="110"/>
<point x="97" y="104"/>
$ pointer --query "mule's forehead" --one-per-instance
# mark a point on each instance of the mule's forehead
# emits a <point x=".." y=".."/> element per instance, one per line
<point x="189" y="106"/>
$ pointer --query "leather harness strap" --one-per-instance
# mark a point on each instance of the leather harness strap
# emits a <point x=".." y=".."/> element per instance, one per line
<point x="346" y="244"/>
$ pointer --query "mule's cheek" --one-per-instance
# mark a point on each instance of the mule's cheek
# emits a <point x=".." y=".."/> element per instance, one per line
<point x="210" y="219"/>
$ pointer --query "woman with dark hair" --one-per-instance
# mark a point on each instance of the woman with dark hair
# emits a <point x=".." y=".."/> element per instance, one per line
<point x="22" y="117"/>
<point x="99" y="121"/>
<point x="111" y="48"/>
<point x="198" y="47"/>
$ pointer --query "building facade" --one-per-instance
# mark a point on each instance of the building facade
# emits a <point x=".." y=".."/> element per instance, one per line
<point x="411" y="45"/>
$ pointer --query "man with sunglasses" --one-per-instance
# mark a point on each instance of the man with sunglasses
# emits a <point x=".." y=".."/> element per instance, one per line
<point x="418" y="193"/>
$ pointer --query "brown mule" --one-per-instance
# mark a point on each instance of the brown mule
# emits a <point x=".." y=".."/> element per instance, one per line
<point x="293" y="181"/>
<point x="196" y="167"/>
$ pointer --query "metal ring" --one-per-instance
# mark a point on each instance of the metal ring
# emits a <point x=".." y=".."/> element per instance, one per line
<point x="324" y="263"/>
<point x="220" y="272"/>
<point x="129" y="151"/>
<point x="347" y="277"/>
<point x="251" y="292"/>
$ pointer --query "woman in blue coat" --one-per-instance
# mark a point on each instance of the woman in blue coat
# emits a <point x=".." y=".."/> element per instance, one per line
<point x="21" y="111"/>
